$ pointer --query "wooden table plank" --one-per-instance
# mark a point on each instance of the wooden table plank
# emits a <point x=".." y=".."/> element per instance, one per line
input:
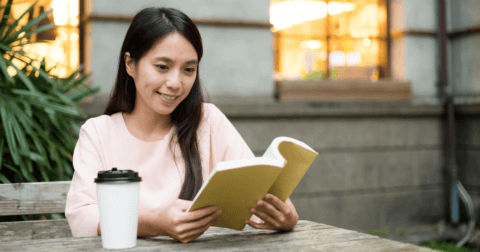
<point x="31" y="230"/>
<point x="306" y="236"/>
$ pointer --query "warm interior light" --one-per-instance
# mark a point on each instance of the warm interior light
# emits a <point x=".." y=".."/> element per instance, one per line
<point x="335" y="8"/>
<point x="60" y="12"/>
<point x="307" y="48"/>
<point x="286" y="14"/>
<point x="311" y="44"/>
<point x="367" y="42"/>
<point x="61" y="54"/>
<point x="353" y="59"/>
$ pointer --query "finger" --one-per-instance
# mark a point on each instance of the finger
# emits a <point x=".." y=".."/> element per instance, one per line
<point x="258" y="225"/>
<point x="269" y="220"/>
<point x="270" y="210"/>
<point x="202" y="223"/>
<point x="276" y="202"/>
<point x="201" y="213"/>
<point x="199" y="229"/>
<point x="192" y="236"/>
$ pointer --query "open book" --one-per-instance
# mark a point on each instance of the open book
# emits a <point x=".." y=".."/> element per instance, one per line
<point x="235" y="186"/>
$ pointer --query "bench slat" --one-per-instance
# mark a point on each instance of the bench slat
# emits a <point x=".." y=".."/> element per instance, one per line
<point x="33" y="198"/>
<point x="31" y="230"/>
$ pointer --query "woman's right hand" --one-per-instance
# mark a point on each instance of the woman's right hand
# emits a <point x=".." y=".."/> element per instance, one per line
<point x="183" y="226"/>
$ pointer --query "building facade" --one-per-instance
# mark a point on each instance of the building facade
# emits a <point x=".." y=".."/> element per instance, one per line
<point x="380" y="163"/>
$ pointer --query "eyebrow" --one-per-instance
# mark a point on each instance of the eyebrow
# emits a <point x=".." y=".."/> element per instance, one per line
<point x="170" y="60"/>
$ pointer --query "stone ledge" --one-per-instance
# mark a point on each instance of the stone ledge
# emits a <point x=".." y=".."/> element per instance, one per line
<point x="329" y="109"/>
<point x="267" y="107"/>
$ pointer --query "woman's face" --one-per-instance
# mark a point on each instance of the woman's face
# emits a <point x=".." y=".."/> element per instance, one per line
<point x="164" y="75"/>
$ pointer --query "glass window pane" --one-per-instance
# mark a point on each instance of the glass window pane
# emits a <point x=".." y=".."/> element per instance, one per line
<point x="313" y="35"/>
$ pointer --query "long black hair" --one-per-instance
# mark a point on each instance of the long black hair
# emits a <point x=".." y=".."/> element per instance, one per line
<point x="149" y="26"/>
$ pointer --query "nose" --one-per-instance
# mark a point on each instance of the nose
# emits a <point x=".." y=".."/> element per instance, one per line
<point x="174" y="80"/>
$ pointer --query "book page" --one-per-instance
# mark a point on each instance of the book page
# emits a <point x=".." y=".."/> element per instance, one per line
<point x="299" y="157"/>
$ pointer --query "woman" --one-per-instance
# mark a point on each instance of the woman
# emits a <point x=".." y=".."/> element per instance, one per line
<point x="157" y="124"/>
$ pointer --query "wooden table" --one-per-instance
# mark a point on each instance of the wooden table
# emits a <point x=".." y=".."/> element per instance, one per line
<point x="306" y="236"/>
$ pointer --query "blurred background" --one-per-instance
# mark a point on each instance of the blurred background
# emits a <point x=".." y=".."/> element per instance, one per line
<point x="364" y="82"/>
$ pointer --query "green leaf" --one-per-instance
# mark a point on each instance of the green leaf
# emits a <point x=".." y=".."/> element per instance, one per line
<point x="56" y="156"/>
<point x="12" y="144"/>
<point x="6" y="14"/>
<point x="6" y="48"/>
<point x="40" y="148"/>
<point x="19" y="134"/>
<point x="74" y="125"/>
<point x="84" y="93"/>
<point x="24" y="78"/>
<point x="38" y="30"/>
<point x="51" y="115"/>
<point x="45" y="75"/>
<point x="58" y="216"/>
<point x="46" y="105"/>
<point x="63" y="98"/>
<point x="4" y="179"/>
<point x="15" y="170"/>
<point x="44" y="175"/>
<point x="28" y="108"/>
<point x="73" y="83"/>
<point x="15" y="23"/>
<point x="28" y="93"/>
<point x="3" y="68"/>
<point x="29" y="25"/>
<point x="24" y="172"/>
<point x="67" y="168"/>
<point x="2" y="142"/>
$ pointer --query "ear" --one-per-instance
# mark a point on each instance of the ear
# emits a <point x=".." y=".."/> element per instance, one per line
<point x="130" y="65"/>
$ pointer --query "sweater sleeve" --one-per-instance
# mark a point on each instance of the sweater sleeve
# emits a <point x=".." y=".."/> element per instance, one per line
<point x="227" y="144"/>
<point x="81" y="208"/>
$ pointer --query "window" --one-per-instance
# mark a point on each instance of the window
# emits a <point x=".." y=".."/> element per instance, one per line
<point x="61" y="47"/>
<point x="341" y="39"/>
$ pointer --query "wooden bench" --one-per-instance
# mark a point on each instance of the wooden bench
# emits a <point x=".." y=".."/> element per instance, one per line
<point x="33" y="198"/>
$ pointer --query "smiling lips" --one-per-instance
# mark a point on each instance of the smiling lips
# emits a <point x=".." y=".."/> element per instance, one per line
<point x="167" y="96"/>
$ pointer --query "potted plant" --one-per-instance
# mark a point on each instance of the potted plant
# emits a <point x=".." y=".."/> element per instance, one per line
<point x="38" y="111"/>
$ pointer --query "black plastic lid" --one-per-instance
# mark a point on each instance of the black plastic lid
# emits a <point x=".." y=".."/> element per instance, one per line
<point x="115" y="175"/>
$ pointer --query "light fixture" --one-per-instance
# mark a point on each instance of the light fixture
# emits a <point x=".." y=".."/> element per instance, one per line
<point x="311" y="44"/>
<point x="367" y="42"/>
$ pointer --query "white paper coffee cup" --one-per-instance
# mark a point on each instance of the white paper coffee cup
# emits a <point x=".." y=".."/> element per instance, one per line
<point x="118" y="192"/>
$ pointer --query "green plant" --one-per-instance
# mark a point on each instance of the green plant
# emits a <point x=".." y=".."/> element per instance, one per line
<point x="447" y="246"/>
<point x="379" y="233"/>
<point x="38" y="111"/>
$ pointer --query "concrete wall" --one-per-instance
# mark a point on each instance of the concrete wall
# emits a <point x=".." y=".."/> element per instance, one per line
<point x="464" y="51"/>
<point x="371" y="172"/>
<point x="414" y="57"/>
<point x="238" y="61"/>
<point x="464" y="76"/>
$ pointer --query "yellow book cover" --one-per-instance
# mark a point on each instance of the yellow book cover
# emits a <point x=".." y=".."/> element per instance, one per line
<point x="235" y="186"/>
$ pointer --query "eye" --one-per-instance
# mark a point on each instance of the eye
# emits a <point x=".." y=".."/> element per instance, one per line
<point x="162" y="67"/>
<point x="190" y="69"/>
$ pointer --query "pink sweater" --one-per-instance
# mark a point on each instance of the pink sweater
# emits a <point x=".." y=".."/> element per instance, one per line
<point x="105" y="142"/>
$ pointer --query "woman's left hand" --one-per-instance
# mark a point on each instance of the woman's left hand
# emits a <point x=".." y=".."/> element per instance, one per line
<point x="276" y="214"/>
